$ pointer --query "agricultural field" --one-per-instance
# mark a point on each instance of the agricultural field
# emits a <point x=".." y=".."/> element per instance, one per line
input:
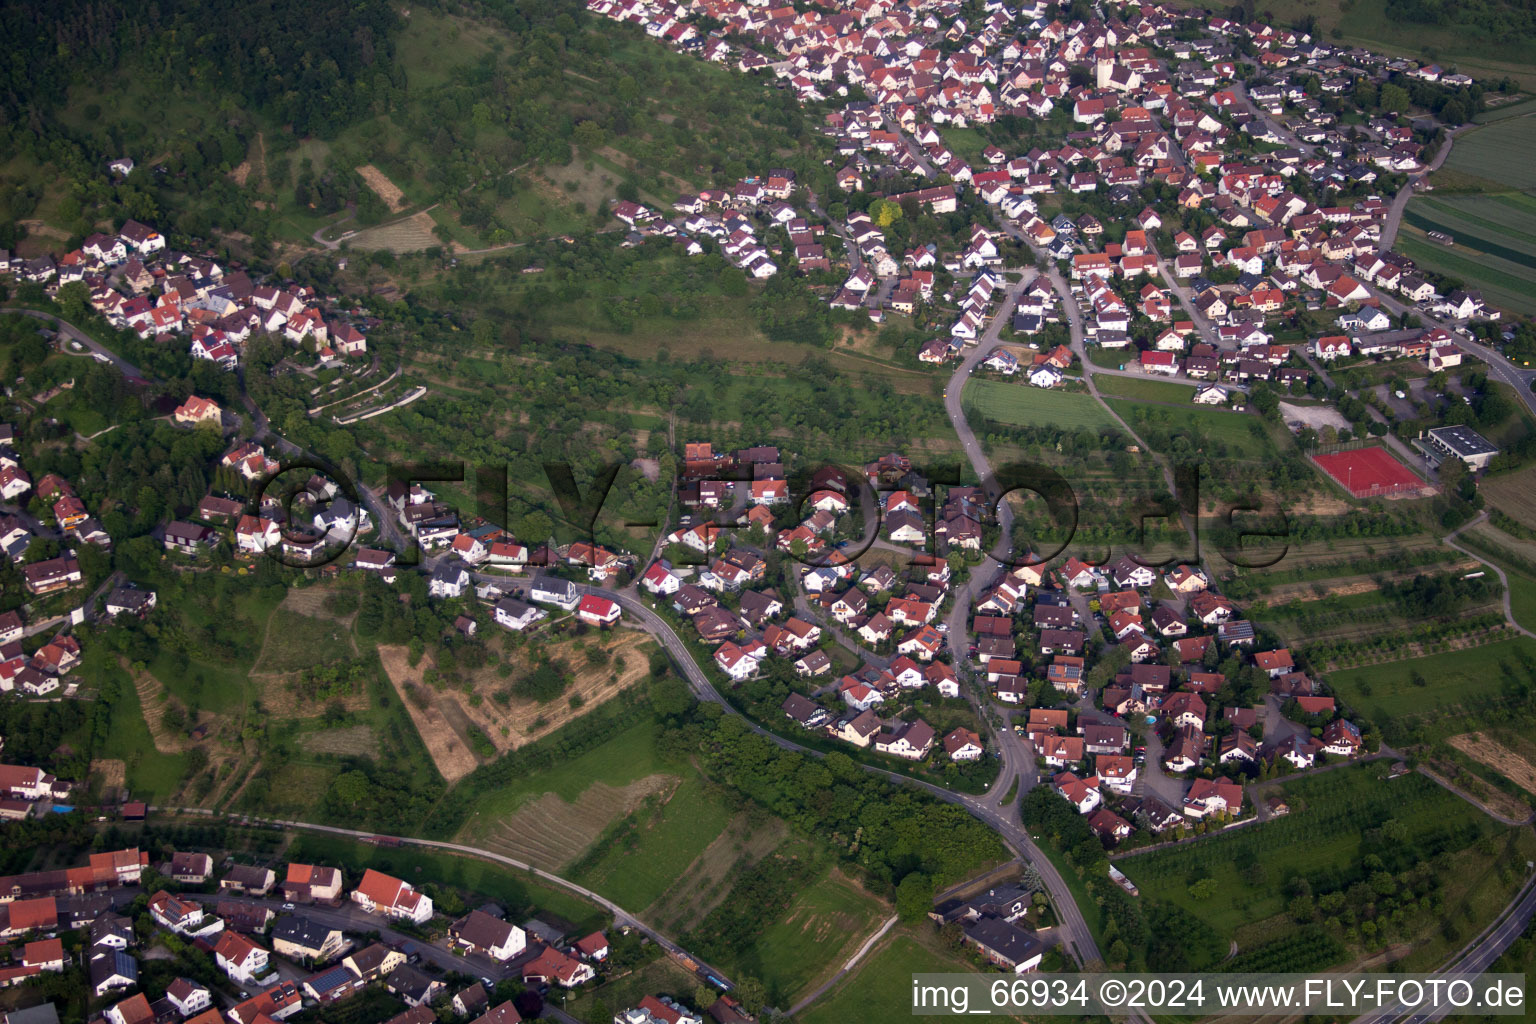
<point x="880" y="987"/>
<point x="1436" y="696"/>
<point x="553" y="816"/>
<point x="408" y="234"/>
<point x="1355" y="621"/>
<point x="1025" y="406"/>
<point x="1337" y="821"/>
<point x="1503" y="152"/>
<point x="1494" y="238"/>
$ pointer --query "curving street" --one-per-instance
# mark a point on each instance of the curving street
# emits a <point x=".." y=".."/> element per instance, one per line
<point x="1016" y="755"/>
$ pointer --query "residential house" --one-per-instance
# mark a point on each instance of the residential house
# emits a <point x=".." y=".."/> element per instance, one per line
<point x="379" y="893"/>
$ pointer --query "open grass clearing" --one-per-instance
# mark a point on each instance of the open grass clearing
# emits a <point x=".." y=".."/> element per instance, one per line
<point x="312" y="603"/>
<point x="550" y="832"/>
<point x="822" y="928"/>
<point x="1513" y="493"/>
<point x="350" y="741"/>
<point x="297" y="641"/>
<point x="149" y="773"/>
<point x="1242" y="435"/>
<point x="701" y="886"/>
<point x="667" y="837"/>
<point x="627" y="757"/>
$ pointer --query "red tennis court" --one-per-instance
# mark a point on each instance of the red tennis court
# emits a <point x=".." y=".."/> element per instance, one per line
<point x="1369" y="473"/>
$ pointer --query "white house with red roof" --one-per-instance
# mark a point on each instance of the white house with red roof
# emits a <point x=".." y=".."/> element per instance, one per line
<point x="660" y="580"/>
<point x="14" y="482"/>
<point x="596" y="610"/>
<point x="1213" y="796"/>
<point x="735" y="662"/>
<point x="240" y="958"/>
<point x="254" y="534"/>
<point x="197" y="410"/>
<point x="379" y="893"/>
<point x="556" y="968"/>
<point x="1082" y="794"/>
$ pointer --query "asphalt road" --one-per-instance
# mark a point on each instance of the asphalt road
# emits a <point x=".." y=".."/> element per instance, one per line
<point x="1400" y="201"/>
<point x="362" y="921"/>
<point x="1473" y="960"/>
<point x="74" y="333"/>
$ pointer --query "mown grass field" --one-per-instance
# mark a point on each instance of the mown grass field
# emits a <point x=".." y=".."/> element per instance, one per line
<point x="1514" y="494"/>
<point x="1025" y="406"/>
<point x="1438" y="693"/>
<point x="151" y="775"/>
<point x="1145" y="389"/>
<point x="1201" y="424"/>
<point x="1319" y="840"/>
<point x="880" y="989"/>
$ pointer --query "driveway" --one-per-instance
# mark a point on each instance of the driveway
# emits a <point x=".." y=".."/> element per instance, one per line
<point x="1167" y="788"/>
